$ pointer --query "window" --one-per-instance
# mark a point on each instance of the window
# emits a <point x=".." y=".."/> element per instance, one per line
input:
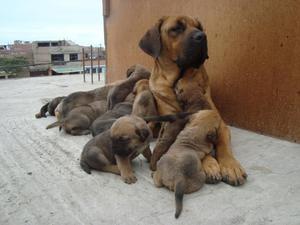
<point x="94" y="70"/>
<point x="54" y="44"/>
<point x="73" y="57"/>
<point x="43" y="44"/>
<point x="57" y="58"/>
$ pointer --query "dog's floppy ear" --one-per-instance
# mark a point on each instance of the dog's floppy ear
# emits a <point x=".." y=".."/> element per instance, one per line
<point x="150" y="42"/>
<point x="199" y="25"/>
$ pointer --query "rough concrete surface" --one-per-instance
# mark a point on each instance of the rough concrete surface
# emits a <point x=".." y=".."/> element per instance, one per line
<point x="41" y="181"/>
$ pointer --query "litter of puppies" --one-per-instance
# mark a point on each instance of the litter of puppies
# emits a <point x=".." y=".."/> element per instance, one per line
<point x="172" y="103"/>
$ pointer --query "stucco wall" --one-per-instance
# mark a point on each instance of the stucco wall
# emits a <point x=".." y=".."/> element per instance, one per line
<point x="254" y="50"/>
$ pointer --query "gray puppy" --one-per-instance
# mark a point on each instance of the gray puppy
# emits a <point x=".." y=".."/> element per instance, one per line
<point x="105" y="121"/>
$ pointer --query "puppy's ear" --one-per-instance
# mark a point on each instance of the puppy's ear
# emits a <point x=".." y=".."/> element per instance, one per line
<point x="150" y="42"/>
<point x="142" y="133"/>
<point x="199" y="25"/>
<point x="130" y="70"/>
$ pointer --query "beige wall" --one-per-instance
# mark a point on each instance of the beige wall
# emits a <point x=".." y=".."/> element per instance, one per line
<point x="254" y="50"/>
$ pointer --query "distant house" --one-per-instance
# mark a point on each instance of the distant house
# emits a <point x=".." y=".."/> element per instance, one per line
<point x="61" y="57"/>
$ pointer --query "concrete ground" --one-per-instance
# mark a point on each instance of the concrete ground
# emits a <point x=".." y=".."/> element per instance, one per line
<point x="41" y="181"/>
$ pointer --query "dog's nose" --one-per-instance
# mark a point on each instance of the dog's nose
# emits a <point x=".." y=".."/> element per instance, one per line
<point x="199" y="36"/>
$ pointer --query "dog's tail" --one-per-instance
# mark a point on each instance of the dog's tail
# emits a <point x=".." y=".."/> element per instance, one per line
<point x="56" y="124"/>
<point x="180" y="186"/>
<point x="86" y="168"/>
<point x="168" y="118"/>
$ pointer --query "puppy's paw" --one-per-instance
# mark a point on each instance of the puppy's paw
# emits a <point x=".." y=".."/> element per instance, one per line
<point x="129" y="179"/>
<point x="232" y="172"/>
<point x="211" y="169"/>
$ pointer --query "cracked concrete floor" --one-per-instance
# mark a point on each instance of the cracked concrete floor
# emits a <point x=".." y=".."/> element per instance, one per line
<point x="41" y="181"/>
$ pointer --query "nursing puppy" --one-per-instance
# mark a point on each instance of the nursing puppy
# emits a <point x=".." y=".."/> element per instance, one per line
<point x="79" y="120"/>
<point x="49" y="107"/>
<point x="191" y="98"/>
<point x="180" y="169"/>
<point x="119" y="92"/>
<point x="144" y="104"/>
<point x="105" y="121"/>
<point x="113" y="150"/>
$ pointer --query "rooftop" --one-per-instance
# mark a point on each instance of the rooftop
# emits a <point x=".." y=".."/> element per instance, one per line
<point x="41" y="181"/>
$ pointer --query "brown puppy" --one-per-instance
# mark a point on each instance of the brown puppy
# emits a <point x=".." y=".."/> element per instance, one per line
<point x="179" y="46"/>
<point x="79" y="120"/>
<point x="144" y="104"/>
<point x="119" y="92"/>
<point x="113" y="150"/>
<point x="49" y="107"/>
<point x="180" y="168"/>
<point x="81" y="98"/>
<point x="191" y="99"/>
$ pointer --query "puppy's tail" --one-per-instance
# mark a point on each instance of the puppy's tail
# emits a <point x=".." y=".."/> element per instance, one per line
<point x="55" y="124"/>
<point x="85" y="166"/>
<point x="180" y="186"/>
<point x="167" y="118"/>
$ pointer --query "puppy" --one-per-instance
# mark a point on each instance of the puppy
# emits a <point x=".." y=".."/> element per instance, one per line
<point x="105" y="121"/>
<point x="82" y="98"/>
<point x="119" y="92"/>
<point x="49" y="107"/>
<point x="79" y="120"/>
<point x="113" y="150"/>
<point x="144" y="104"/>
<point x="180" y="168"/>
<point x="192" y="98"/>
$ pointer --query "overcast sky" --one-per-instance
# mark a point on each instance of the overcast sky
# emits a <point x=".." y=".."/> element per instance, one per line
<point x="30" y="20"/>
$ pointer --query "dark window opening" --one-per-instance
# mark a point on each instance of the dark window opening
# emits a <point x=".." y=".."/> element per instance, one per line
<point x="43" y="44"/>
<point x="73" y="57"/>
<point x="54" y="43"/>
<point x="57" y="58"/>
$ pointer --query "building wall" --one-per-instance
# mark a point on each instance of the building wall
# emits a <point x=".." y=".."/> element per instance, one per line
<point x="254" y="49"/>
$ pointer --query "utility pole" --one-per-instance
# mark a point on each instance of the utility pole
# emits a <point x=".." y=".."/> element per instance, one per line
<point x="83" y="64"/>
<point x="99" y="63"/>
<point x="92" y="75"/>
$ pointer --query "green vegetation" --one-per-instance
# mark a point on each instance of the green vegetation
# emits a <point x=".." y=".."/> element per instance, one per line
<point x="12" y="66"/>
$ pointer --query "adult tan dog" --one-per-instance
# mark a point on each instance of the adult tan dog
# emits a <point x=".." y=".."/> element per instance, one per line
<point x="180" y="168"/>
<point x="179" y="46"/>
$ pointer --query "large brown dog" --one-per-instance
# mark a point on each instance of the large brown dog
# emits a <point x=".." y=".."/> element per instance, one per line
<point x="113" y="150"/>
<point x="180" y="168"/>
<point x="179" y="46"/>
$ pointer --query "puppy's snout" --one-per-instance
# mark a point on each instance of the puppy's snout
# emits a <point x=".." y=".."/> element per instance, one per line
<point x="199" y="36"/>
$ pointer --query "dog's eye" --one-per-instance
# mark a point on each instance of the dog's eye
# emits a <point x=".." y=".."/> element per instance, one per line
<point x="179" y="28"/>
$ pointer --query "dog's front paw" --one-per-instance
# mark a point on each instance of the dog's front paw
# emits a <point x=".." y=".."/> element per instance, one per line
<point x="129" y="179"/>
<point x="232" y="172"/>
<point x="211" y="169"/>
